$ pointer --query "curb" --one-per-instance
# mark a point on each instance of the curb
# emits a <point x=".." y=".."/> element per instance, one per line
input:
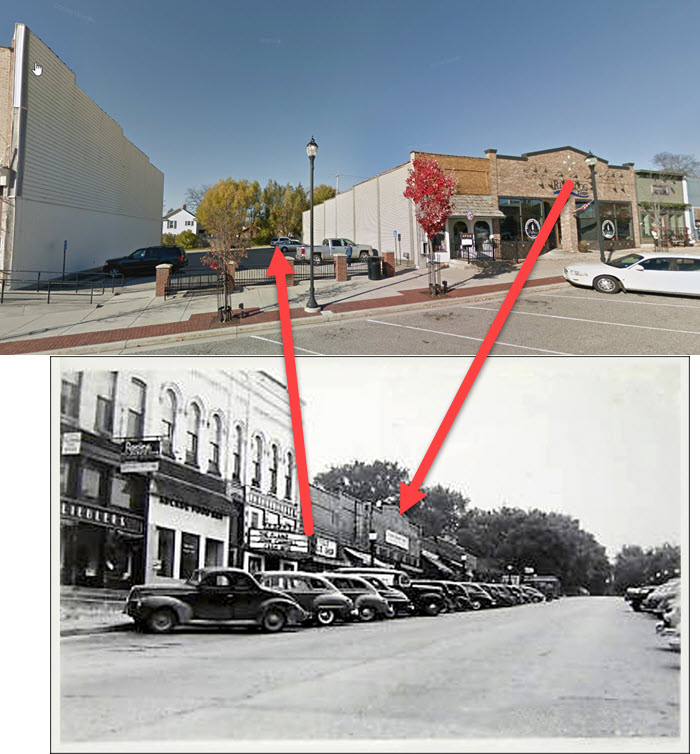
<point x="329" y="316"/>
<point x="96" y="630"/>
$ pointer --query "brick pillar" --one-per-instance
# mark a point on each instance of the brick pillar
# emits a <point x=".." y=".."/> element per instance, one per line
<point x="389" y="264"/>
<point x="162" y="276"/>
<point x="496" y="223"/>
<point x="569" y="233"/>
<point x="290" y="278"/>
<point x="340" y="262"/>
<point x="231" y="274"/>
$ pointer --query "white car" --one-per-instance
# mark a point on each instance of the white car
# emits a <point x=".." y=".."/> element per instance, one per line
<point x="650" y="272"/>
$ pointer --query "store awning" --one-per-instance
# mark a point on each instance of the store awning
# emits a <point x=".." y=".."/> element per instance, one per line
<point x="437" y="562"/>
<point x="479" y="206"/>
<point x="192" y="495"/>
<point x="364" y="558"/>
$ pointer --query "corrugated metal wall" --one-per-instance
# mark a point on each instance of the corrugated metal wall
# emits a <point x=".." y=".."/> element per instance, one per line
<point x="366" y="213"/>
<point x="346" y="221"/>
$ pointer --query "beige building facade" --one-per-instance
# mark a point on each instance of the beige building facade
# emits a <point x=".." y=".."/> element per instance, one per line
<point x="73" y="179"/>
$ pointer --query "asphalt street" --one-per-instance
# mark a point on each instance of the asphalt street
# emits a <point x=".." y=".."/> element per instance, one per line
<point x="578" y="667"/>
<point x="561" y="320"/>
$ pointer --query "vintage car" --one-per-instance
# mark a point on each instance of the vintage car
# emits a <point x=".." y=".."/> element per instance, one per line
<point x="321" y="600"/>
<point x="212" y="596"/>
<point x="426" y="599"/>
<point x="635" y="595"/>
<point x="369" y="604"/>
<point x="456" y="599"/>
<point x="479" y="596"/>
<point x="398" y="602"/>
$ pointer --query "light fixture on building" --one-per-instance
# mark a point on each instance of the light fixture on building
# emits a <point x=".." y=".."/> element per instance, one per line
<point x="591" y="160"/>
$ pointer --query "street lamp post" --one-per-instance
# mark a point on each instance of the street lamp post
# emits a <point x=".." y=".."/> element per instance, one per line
<point x="509" y="568"/>
<point x="463" y="558"/>
<point x="311" y="305"/>
<point x="591" y="161"/>
<point x="372" y="545"/>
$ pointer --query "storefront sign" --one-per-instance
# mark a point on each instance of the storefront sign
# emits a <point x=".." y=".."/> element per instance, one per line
<point x="70" y="444"/>
<point x="277" y="539"/>
<point x="608" y="229"/>
<point x="392" y="538"/>
<point x="532" y="228"/>
<point x="140" y="455"/>
<point x="660" y="188"/>
<point x="190" y="508"/>
<point x="470" y="215"/>
<point x="327" y="548"/>
<point x="93" y="514"/>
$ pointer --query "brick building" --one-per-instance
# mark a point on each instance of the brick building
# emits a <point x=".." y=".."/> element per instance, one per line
<point x="498" y="209"/>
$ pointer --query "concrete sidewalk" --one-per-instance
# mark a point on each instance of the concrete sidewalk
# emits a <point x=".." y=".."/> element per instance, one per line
<point x="134" y="313"/>
<point x="91" y="611"/>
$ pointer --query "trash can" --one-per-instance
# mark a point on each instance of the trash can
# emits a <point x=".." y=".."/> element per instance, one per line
<point x="374" y="268"/>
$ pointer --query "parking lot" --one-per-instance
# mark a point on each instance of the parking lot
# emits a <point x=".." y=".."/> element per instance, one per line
<point x="580" y="666"/>
<point x="558" y="320"/>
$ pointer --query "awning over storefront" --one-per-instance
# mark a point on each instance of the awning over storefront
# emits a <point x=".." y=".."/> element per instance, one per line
<point x="437" y="562"/>
<point x="409" y="568"/>
<point x="479" y="206"/>
<point x="192" y="495"/>
<point x="364" y="558"/>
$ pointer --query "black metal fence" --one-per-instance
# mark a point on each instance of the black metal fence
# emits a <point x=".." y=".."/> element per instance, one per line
<point x="35" y="283"/>
<point x="193" y="282"/>
<point x="512" y="251"/>
<point x="321" y="272"/>
<point x="254" y="276"/>
<point x="358" y="267"/>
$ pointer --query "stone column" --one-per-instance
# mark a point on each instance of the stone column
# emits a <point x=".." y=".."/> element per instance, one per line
<point x="569" y="233"/>
<point x="162" y="276"/>
<point x="231" y="275"/>
<point x="340" y="262"/>
<point x="290" y="278"/>
<point x="496" y="224"/>
<point x="389" y="264"/>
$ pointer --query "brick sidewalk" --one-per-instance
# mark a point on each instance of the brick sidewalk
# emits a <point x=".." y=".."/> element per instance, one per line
<point x="209" y="321"/>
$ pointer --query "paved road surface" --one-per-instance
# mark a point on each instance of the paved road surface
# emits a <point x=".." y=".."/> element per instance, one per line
<point x="564" y="320"/>
<point x="576" y="667"/>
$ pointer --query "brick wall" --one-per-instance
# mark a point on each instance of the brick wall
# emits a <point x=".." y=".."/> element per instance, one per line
<point x="473" y="174"/>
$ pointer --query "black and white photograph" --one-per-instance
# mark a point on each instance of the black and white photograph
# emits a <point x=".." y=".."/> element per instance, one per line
<point x="532" y="595"/>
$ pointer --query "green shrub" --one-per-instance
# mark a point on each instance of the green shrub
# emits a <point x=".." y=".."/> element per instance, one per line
<point x="584" y="246"/>
<point x="186" y="239"/>
<point x="168" y="239"/>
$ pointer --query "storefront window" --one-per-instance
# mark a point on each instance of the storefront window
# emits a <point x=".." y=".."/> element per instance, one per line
<point x="237" y="450"/>
<point x="189" y="554"/>
<point x="127" y="491"/>
<point x="213" y="552"/>
<point x="615" y="218"/>
<point x="166" y="551"/>
<point x="274" y="468"/>
<point x="192" y="452"/>
<point x="93" y="482"/>
<point x="70" y="394"/>
<point x="532" y="218"/>
<point x="67" y="477"/>
<point x="137" y="409"/>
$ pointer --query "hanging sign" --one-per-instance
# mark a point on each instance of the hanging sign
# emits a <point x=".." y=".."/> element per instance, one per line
<point x="140" y="455"/>
<point x="70" y="444"/>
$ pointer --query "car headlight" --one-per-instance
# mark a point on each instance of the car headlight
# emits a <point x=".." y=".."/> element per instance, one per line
<point x="578" y="273"/>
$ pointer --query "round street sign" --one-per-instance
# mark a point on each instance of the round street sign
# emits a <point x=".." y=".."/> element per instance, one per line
<point x="608" y="229"/>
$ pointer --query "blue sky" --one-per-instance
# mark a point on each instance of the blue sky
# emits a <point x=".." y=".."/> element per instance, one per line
<point x="215" y="89"/>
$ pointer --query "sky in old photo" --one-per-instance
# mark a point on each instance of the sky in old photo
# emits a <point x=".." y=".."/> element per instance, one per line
<point x="601" y="439"/>
<point x="215" y="89"/>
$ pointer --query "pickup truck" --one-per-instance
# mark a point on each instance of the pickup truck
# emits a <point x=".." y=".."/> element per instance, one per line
<point x="332" y="246"/>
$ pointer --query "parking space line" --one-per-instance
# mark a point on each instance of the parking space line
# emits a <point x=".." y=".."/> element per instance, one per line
<point x="613" y="300"/>
<point x="279" y="343"/>
<point x="466" y="337"/>
<point x="589" y="321"/>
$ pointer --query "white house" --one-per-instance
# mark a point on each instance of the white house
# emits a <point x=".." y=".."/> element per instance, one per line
<point x="178" y="220"/>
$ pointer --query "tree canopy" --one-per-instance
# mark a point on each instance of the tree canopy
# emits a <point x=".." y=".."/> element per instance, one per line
<point x="637" y="567"/>
<point x="687" y="164"/>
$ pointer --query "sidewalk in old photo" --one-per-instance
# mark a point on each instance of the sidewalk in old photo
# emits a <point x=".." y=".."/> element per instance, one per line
<point x="89" y="611"/>
<point x="134" y="313"/>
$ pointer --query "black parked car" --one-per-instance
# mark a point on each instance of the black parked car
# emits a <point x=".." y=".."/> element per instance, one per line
<point x="144" y="261"/>
<point x="369" y="604"/>
<point x="635" y="595"/>
<point x="398" y="601"/>
<point x="322" y="600"/>
<point x="211" y="596"/>
<point x="456" y="599"/>
<point x="478" y="595"/>
<point x="427" y="599"/>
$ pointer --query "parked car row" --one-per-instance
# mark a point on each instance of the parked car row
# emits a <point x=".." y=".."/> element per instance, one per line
<point x="664" y="601"/>
<point x="271" y="600"/>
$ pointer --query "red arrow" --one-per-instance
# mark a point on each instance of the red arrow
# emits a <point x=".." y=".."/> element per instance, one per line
<point x="280" y="267"/>
<point x="411" y="493"/>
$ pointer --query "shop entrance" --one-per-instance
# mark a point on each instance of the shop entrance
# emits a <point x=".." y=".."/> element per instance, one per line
<point x="482" y="240"/>
<point x="554" y="238"/>
<point x="456" y="245"/>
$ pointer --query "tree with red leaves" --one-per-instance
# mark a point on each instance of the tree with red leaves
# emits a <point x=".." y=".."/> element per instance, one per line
<point x="431" y="190"/>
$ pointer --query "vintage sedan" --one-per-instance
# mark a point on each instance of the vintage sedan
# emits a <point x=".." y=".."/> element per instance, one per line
<point x="647" y="272"/>
<point x="398" y="602"/>
<point x="370" y="605"/>
<point x="212" y="596"/>
<point x="323" y="603"/>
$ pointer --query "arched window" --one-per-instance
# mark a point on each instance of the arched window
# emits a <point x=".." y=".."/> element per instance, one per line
<point x="257" y="461"/>
<point x="288" y="477"/>
<point x="274" y="469"/>
<point x="168" y="422"/>
<point x="215" y="444"/>
<point x="237" y="453"/>
<point x="192" y="452"/>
